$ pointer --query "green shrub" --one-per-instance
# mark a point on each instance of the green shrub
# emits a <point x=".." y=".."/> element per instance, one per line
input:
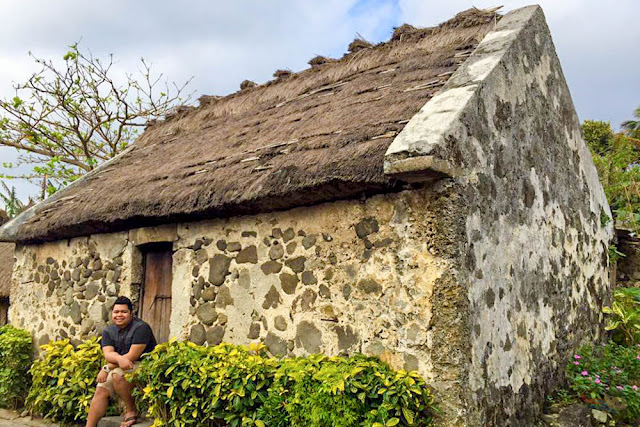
<point x="624" y="316"/>
<point x="64" y="380"/>
<point x="186" y="384"/>
<point x="609" y="377"/>
<point x="356" y="391"/>
<point x="16" y="352"/>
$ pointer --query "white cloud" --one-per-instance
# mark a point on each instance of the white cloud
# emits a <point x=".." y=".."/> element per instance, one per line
<point x="221" y="43"/>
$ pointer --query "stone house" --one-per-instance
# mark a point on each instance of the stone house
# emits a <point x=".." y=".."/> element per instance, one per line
<point x="429" y="200"/>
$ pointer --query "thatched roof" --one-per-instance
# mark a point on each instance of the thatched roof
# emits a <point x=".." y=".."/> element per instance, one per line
<point x="6" y="268"/>
<point x="304" y="138"/>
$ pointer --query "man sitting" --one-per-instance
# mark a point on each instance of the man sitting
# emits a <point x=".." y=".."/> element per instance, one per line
<point x="123" y="343"/>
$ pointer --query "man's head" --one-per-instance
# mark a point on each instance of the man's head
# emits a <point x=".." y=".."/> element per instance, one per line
<point x="121" y="313"/>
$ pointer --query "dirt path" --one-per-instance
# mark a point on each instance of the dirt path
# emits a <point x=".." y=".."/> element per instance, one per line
<point x="12" y="418"/>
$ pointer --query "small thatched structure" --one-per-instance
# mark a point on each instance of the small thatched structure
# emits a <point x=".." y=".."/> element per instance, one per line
<point x="6" y="269"/>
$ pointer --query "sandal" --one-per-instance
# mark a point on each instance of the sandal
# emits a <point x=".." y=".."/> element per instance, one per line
<point x="129" y="421"/>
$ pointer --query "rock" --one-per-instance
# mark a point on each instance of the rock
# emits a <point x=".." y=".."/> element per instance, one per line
<point x="271" y="267"/>
<point x="324" y="291"/>
<point x="218" y="269"/>
<point x="195" y="271"/>
<point x="234" y="247"/>
<point x="97" y="265"/>
<point x="306" y="300"/>
<point x="222" y="319"/>
<point x="289" y="282"/>
<point x="223" y="298"/>
<point x="75" y="313"/>
<point x="215" y="335"/>
<point x="248" y="255"/>
<point x="197" y="289"/>
<point x="291" y="247"/>
<point x="308" y="337"/>
<point x="369" y="286"/>
<point x="276" y="251"/>
<point x="249" y="234"/>
<point x="275" y="345"/>
<point x="68" y="296"/>
<point x="280" y="323"/>
<point x="54" y="275"/>
<point x="288" y="235"/>
<point x="254" y="331"/>
<point x="92" y="290"/>
<point x="309" y="241"/>
<point x="346" y="337"/>
<point x="87" y="273"/>
<point x="64" y="311"/>
<point x="209" y="294"/>
<point x="86" y="326"/>
<point x="599" y="416"/>
<point x="276" y="233"/>
<point x="366" y="227"/>
<point x="296" y="264"/>
<point x="202" y="256"/>
<point x="411" y="362"/>
<point x="221" y="245"/>
<point x="207" y="313"/>
<point x="272" y="299"/>
<point x="112" y="290"/>
<point x="308" y="278"/>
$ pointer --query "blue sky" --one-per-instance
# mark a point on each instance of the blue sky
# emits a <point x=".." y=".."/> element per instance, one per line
<point x="222" y="43"/>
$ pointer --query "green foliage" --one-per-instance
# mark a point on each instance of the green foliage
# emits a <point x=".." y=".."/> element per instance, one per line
<point x="608" y="377"/>
<point x="323" y="391"/>
<point x="64" y="380"/>
<point x="624" y="316"/>
<point x="186" y="384"/>
<point x="632" y="127"/>
<point x="71" y="116"/>
<point x="16" y="352"/>
<point x="616" y="158"/>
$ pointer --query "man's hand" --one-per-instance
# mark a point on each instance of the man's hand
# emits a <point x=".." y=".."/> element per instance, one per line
<point x="125" y="363"/>
<point x="102" y="376"/>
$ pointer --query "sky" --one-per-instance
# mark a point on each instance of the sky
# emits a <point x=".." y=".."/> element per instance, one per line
<point x="221" y="43"/>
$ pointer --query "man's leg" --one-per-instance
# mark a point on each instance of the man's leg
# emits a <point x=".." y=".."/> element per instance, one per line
<point x="123" y="388"/>
<point x="99" y="405"/>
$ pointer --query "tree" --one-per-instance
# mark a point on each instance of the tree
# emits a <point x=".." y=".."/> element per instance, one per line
<point x="65" y="120"/>
<point x="632" y="127"/>
<point x="12" y="205"/>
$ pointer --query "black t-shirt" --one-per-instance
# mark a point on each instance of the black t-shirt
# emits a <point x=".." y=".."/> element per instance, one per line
<point x="136" y="332"/>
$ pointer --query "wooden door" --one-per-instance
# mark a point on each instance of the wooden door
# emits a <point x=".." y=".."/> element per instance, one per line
<point x="156" y="291"/>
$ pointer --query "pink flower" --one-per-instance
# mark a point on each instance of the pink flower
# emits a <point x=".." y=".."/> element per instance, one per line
<point x="638" y="357"/>
<point x="635" y="388"/>
<point x="576" y="363"/>
<point x="619" y="387"/>
<point x="597" y="381"/>
<point x="584" y="373"/>
<point x="577" y="356"/>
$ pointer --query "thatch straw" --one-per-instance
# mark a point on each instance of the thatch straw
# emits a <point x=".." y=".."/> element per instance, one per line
<point x="359" y="44"/>
<point x="280" y="74"/>
<point x="318" y="60"/>
<point x="247" y="84"/>
<point x="317" y="137"/>
<point x="6" y="268"/>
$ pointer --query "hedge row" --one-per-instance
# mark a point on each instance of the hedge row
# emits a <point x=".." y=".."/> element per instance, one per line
<point x="186" y="384"/>
<point x="183" y="384"/>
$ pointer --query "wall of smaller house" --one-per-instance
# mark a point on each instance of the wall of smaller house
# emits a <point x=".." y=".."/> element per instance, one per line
<point x="338" y="278"/>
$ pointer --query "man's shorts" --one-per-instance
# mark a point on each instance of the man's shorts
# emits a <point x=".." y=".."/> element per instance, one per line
<point x="108" y="384"/>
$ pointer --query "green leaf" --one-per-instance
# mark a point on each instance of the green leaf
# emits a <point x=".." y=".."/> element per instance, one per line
<point x="392" y="422"/>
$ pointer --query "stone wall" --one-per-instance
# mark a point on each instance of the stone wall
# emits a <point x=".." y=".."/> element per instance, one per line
<point x="338" y="278"/>
<point x="533" y="265"/>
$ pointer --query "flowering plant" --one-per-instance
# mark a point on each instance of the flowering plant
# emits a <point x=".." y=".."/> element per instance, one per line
<point x="607" y="376"/>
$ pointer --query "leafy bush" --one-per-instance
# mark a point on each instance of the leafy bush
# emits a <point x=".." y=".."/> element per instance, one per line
<point x="64" y="380"/>
<point x="356" y="391"/>
<point x="186" y="384"/>
<point x="608" y="377"/>
<point x="616" y="158"/>
<point x="624" y="319"/>
<point x="16" y="352"/>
